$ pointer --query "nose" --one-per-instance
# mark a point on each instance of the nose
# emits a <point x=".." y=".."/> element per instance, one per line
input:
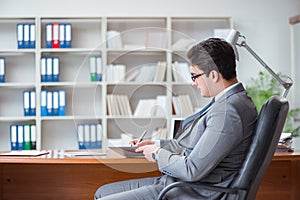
<point x="194" y="83"/>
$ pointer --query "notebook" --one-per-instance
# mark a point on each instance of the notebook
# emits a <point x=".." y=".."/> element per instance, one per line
<point x="128" y="152"/>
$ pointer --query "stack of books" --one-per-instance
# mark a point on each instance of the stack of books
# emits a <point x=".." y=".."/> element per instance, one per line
<point x="181" y="72"/>
<point x="152" y="107"/>
<point x="118" y="104"/>
<point x="154" y="72"/>
<point x="182" y="105"/>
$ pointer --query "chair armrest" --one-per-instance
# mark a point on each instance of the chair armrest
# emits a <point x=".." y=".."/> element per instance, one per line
<point x="196" y="185"/>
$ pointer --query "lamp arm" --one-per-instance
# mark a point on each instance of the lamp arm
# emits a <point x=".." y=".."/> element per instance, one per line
<point x="286" y="85"/>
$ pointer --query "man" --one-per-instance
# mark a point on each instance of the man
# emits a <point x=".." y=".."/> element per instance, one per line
<point x="212" y="144"/>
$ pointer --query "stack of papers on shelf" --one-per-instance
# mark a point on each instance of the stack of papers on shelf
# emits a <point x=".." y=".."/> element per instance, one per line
<point x="285" y="143"/>
<point x="31" y="153"/>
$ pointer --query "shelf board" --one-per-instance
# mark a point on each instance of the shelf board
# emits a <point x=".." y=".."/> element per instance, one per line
<point x="16" y="51"/>
<point x="17" y="119"/>
<point x="129" y="117"/>
<point x="70" y="50"/>
<point x="17" y="85"/>
<point x="71" y="117"/>
<point x="71" y="84"/>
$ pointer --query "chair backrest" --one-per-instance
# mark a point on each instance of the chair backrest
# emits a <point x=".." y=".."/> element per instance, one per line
<point x="269" y="127"/>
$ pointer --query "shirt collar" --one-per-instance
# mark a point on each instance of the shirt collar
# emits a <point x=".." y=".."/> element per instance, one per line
<point x="218" y="96"/>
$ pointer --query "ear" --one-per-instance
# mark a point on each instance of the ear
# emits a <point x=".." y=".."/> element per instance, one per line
<point x="214" y="75"/>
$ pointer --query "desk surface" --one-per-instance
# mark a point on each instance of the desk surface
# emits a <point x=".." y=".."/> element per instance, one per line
<point x="108" y="157"/>
<point x="43" y="178"/>
<point x="59" y="157"/>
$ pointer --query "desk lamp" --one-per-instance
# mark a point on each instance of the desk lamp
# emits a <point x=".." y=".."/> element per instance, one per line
<point x="233" y="38"/>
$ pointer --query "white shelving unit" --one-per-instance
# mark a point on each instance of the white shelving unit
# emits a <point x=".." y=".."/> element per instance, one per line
<point x="144" y="40"/>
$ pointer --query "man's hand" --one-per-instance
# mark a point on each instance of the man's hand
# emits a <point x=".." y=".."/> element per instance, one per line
<point x="142" y="143"/>
<point x="148" y="150"/>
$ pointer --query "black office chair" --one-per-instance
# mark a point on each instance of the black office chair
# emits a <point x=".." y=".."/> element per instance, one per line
<point x="267" y="133"/>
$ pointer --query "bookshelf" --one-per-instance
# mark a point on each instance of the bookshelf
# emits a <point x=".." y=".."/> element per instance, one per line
<point x="135" y="42"/>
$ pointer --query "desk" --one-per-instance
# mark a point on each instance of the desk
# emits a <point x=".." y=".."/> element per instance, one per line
<point x="66" y="178"/>
<point x="78" y="178"/>
<point x="282" y="179"/>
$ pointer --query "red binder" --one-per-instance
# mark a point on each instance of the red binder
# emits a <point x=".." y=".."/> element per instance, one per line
<point x="55" y="35"/>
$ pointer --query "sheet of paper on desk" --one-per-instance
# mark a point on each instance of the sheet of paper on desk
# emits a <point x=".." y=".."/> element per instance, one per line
<point x="30" y="153"/>
<point x="83" y="153"/>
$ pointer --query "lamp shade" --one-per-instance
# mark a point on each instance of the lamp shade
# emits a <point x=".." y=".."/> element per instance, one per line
<point x="232" y="38"/>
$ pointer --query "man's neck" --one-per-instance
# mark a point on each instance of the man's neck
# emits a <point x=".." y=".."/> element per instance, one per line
<point x="224" y="85"/>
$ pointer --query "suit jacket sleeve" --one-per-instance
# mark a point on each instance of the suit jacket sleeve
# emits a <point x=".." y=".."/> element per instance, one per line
<point x="219" y="132"/>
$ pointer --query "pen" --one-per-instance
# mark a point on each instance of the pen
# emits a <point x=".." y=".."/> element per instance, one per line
<point x="141" y="137"/>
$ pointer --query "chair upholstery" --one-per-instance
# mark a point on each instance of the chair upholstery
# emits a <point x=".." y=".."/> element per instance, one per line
<point x="268" y="129"/>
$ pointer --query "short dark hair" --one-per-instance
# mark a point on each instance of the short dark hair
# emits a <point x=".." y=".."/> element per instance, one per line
<point x="214" y="54"/>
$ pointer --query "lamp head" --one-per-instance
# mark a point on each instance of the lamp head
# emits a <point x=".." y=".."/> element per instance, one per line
<point x="232" y="39"/>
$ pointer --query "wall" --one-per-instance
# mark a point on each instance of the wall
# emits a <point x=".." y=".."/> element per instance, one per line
<point x="264" y="23"/>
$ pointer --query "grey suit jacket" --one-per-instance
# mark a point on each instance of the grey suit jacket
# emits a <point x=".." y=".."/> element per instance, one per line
<point x="212" y="148"/>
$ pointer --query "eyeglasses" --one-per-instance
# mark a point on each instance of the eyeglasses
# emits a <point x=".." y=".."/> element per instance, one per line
<point x="194" y="77"/>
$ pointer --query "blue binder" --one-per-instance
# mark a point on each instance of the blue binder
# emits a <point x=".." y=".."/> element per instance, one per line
<point x="99" y="68"/>
<point x="68" y="32"/>
<point x="26" y="103"/>
<point x="2" y="70"/>
<point x="13" y="137"/>
<point x="32" y="107"/>
<point x="93" y="135"/>
<point x="55" y="106"/>
<point x="55" y="69"/>
<point x="87" y="136"/>
<point x="43" y="103"/>
<point x="32" y="37"/>
<point x="99" y="136"/>
<point x="20" y="35"/>
<point x="80" y="136"/>
<point x="20" y="134"/>
<point x="49" y="69"/>
<point x="49" y="35"/>
<point x="49" y="103"/>
<point x="62" y="103"/>
<point x="43" y="69"/>
<point x="26" y="36"/>
<point x="62" y="36"/>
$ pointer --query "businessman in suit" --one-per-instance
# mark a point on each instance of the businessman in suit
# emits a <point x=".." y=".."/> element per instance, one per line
<point x="212" y="143"/>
